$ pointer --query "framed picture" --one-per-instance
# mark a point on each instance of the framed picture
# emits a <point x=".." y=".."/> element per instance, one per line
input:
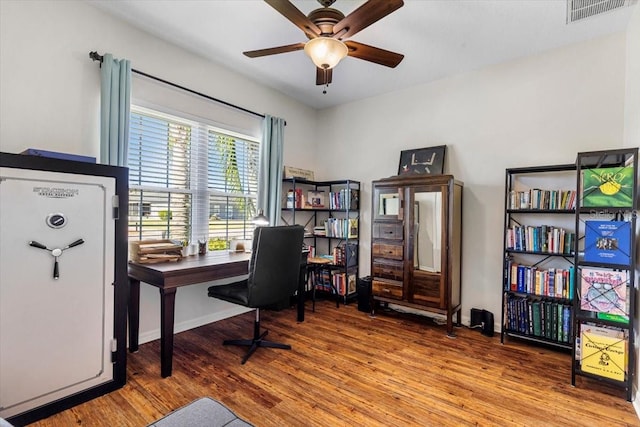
<point x="424" y="161"/>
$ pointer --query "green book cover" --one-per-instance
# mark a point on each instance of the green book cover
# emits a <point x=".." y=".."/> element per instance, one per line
<point x="607" y="187"/>
<point x="613" y="317"/>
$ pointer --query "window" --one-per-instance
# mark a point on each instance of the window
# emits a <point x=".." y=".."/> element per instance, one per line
<point x="190" y="180"/>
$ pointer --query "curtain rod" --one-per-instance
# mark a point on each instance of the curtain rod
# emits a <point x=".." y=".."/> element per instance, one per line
<point x="97" y="57"/>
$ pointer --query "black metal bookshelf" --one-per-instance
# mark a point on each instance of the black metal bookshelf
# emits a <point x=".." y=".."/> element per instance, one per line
<point x="603" y="345"/>
<point x="311" y="216"/>
<point x="533" y="310"/>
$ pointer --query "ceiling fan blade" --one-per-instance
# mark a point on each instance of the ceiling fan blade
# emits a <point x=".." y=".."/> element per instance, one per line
<point x="365" y="15"/>
<point x="294" y="15"/>
<point x="274" y="50"/>
<point x="373" y="54"/>
<point x="323" y="76"/>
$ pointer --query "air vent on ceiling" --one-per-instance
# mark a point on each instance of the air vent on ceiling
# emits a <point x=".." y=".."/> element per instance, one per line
<point x="581" y="9"/>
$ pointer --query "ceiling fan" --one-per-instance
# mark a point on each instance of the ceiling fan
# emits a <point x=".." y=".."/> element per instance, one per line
<point x="327" y="29"/>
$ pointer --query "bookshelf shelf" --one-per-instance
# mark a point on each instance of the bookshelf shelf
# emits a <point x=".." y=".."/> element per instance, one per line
<point x="333" y="208"/>
<point x="604" y="304"/>
<point x="539" y="211"/>
<point x="539" y="340"/>
<point x="550" y="254"/>
<point x="537" y="293"/>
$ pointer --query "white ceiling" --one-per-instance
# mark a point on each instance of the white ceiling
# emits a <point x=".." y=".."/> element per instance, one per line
<point x="438" y="38"/>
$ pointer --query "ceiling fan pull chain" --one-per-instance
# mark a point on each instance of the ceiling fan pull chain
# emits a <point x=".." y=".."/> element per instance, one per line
<point x="326" y="81"/>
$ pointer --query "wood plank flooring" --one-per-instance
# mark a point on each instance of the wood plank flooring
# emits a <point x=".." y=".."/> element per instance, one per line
<point x="348" y="369"/>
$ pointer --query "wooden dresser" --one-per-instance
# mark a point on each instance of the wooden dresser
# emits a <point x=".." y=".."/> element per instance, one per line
<point x="416" y="243"/>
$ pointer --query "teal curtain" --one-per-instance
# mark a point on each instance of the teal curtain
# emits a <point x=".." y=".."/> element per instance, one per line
<point x="270" y="169"/>
<point x="115" y="105"/>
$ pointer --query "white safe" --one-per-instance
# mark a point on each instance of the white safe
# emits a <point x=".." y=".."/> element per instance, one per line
<point x="63" y="284"/>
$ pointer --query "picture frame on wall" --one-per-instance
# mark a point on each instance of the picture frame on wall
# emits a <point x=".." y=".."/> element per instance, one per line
<point x="423" y="161"/>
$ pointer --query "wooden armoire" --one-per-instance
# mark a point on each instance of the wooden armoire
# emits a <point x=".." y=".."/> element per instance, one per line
<point x="416" y="242"/>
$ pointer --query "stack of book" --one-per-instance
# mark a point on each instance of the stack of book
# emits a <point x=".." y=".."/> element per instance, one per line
<point x="603" y="351"/>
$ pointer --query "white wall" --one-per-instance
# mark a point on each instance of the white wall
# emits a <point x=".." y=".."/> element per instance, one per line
<point x="49" y="99"/>
<point x="535" y="111"/>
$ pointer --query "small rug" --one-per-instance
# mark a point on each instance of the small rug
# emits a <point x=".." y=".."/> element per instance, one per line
<point x="203" y="412"/>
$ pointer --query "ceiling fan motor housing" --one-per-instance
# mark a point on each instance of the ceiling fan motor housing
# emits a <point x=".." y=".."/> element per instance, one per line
<point x="325" y="19"/>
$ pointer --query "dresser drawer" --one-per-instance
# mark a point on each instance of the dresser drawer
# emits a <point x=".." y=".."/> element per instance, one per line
<point x="381" y="250"/>
<point x="387" y="289"/>
<point x="385" y="230"/>
<point x="387" y="269"/>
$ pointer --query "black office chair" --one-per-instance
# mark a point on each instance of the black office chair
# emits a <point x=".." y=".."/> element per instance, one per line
<point x="274" y="271"/>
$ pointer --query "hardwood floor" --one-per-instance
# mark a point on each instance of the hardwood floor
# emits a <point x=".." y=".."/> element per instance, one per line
<point x="348" y="369"/>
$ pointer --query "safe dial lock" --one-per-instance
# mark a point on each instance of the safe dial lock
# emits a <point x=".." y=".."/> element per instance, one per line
<point x="56" y="220"/>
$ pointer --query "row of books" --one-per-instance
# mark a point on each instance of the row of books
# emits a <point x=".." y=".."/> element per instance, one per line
<point x="344" y="284"/>
<point x="552" y="282"/>
<point x="600" y="187"/>
<point x="344" y="199"/>
<point x="342" y="228"/>
<point x="542" y="199"/>
<point x="312" y="200"/>
<point x="347" y="198"/>
<point x="544" y="238"/>
<point x="540" y="318"/>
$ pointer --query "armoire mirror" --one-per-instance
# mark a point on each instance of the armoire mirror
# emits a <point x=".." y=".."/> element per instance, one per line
<point x="427" y="230"/>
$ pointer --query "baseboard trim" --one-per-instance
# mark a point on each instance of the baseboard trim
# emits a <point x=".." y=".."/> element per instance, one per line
<point x="154" y="334"/>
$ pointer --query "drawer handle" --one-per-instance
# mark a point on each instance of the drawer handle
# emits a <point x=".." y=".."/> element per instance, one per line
<point x="386" y="290"/>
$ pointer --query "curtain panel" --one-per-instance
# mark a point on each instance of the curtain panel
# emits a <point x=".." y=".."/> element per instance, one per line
<point x="271" y="164"/>
<point x="115" y="106"/>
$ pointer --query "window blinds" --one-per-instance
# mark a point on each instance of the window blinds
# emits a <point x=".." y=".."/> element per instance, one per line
<point x="190" y="180"/>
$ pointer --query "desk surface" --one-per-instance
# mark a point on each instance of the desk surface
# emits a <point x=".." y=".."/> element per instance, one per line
<point x="192" y="269"/>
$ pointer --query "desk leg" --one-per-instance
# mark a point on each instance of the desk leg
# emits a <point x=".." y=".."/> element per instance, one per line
<point x="134" y="314"/>
<point x="301" y="293"/>
<point x="167" y="313"/>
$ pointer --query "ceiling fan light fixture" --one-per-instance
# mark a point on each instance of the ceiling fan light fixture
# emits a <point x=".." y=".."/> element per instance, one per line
<point x="325" y="52"/>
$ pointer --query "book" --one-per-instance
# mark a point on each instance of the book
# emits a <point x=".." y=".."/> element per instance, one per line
<point x="351" y="284"/>
<point x="613" y="317"/>
<point x="607" y="242"/>
<point x="607" y="187"/>
<point x="566" y="323"/>
<point x="603" y="351"/>
<point x="537" y="318"/>
<point x="353" y="228"/>
<point x="604" y="291"/>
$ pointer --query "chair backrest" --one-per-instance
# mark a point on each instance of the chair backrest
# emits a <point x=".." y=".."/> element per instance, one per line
<point x="274" y="269"/>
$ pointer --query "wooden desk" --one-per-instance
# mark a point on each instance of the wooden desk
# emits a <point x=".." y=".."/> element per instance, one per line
<point x="167" y="277"/>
